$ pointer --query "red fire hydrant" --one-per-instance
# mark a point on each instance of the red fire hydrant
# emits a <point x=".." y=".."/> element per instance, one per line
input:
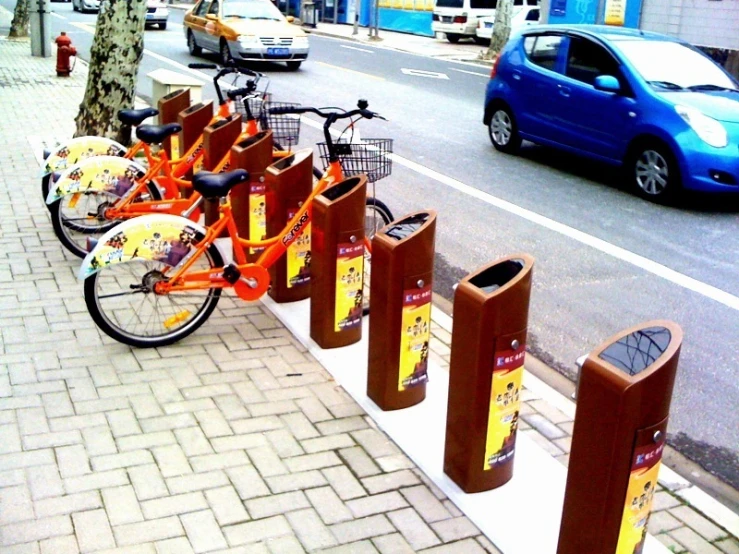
<point x="64" y="51"/>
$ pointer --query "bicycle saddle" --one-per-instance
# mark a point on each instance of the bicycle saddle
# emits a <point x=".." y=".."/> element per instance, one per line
<point x="155" y="134"/>
<point x="135" y="117"/>
<point x="217" y="185"/>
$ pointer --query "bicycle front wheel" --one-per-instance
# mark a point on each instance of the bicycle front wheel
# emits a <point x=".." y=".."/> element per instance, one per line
<point x="77" y="217"/>
<point x="376" y="216"/>
<point x="123" y="304"/>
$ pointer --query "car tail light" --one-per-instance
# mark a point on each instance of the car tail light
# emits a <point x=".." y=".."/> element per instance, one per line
<point x="460" y="19"/>
<point x="494" y="71"/>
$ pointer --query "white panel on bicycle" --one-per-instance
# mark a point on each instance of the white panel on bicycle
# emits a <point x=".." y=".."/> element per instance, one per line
<point x="159" y="237"/>
<point x="110" y="174"/>
<point x="78" y="149"/>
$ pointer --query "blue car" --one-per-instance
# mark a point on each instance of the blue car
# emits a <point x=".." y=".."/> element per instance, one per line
<point x="655" y="105"/>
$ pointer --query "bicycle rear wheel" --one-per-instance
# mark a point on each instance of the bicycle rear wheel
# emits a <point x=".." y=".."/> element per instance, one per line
<point x="376" y="216"/>
<point x="77" y="217"/>
<point x="121" y="301"/>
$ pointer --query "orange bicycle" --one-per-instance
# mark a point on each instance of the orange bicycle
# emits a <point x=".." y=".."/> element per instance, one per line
<point x="155" y="279"/>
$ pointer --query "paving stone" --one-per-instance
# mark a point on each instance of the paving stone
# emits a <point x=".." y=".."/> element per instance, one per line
<point x="210" y="462"/>
<point x="542" y="441"/>
<point x="61" y="505"/>
<point x="35" y="530"/>
<point x="455" y="529"/>
<point x="426" y="504"/>
<point x="267" y="462"/>
<point x="27" y="548"/>
<point x="311" y="531"/>
<point x="226" y="505"/>
<point x="72" y="460"/>
<point x="393" y="544"/>
<point x="147" y="481"/>
<point x="359" y="529"/>
<point x="359" y="462"/>
<point x="468" y="546"/>
<point x="193" y="441"/>
<point x="189" y="406"/>
<point x="99" y="441"/>
<point x="71" y="423"/>
<point x="284" y="443"/>
<point x="256" y="424"/>
<point x="122" y="505"/>
<point x="276" y="504"/>
<point x="728" y="546"/>
<point x="376" y="504"/>
<point x="238" y="442"/>
<point x="300" y="426"/>
<point x="98" y="480"/>
<point x="550" y="412"/>
<point x="332" y="442"/>
<point x="148" y="531"/>
<point x="203" y="531"/>
<point x="664" y="500"/>
<point x="661" y="522"/>
<point x="44" y="482"/>
<point x="57" y="404"/>
<point x="389" y="481"/>
<point x="248" y="482"/>
<point x="15" y="504"/>
<point x="312" y="461"/>
<point x="93" y="530"/>
<point x="375" y="443"/>
<point x="167" y="423"/>
<point x="693" y="542"/>
<point x="282" y="545"/>
<point x="10" y="438"/>
<point x="171" y="460"/>
<point x="314" y="409"/>
<point x="295" y="481"/>
<point x="173" y="505"/>
<point x="60" y="545"/>
<point x="213" y="423"/>
<point x="328" y="505"/>
<point x="670" y="543"/>
<point x="487" y="545"/>
<point x="698" y="523"/>
<point x="257" y="531"/>
<point x="32" y="421"/>
<point x="179" y="545"/>
<point x="47" y="440"/>
<point x="125" y="459"/>
<point x="343" y="425"/>
<point x="12" y="477"/>
<point x="145" y="440"/>
<point x="197" y="482"/>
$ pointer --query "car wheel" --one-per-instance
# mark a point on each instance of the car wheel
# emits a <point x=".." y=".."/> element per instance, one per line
<point x="74" y="6"/>
<point x="654" y="171"/>
<point x="192" y="46"/>
<point x="454" y="39"/>
<point x="226" y="58"/>
<point x="503" y="131"/>
<point x="163" y="26"/>
<point x="293" y="66"/>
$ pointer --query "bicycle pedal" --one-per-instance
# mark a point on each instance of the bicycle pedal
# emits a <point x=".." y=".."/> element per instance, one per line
<point x="231" y="273"/>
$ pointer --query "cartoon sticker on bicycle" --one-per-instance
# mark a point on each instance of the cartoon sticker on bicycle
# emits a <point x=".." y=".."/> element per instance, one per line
<point x="503" y="410"/>
<point x="416" y="333"/>
<point x="349" y="285"/>
<point x="111" y="174"/>
<point x="298" y="256"/>
<point x="257" y="214"/>
<point x="79" y="149"/>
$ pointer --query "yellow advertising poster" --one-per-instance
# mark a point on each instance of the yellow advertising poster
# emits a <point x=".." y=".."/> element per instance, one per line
<point x="175" y="146"/>
<point x="257" y="214"/>
<point x="111" y="174"/>
<point x="505" y="400"/>
<point x="298" y="256"/>
<point x="349" y="285"/>
<point x="615" y="13"/>
<point x="415" y="335"/>
<point x="639" y="496"/>
<point x="80" y="149"/>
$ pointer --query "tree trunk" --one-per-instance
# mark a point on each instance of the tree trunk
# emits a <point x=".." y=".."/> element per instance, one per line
<point x="116" y="51"/>
<point x="501" y="28"/>
<point x="19" y="25"/>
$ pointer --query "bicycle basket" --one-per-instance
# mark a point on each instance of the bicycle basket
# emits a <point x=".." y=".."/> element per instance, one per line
<point x="370" y="156"/>
<point x="285" y="127"/>
<point x="256" y="102"/>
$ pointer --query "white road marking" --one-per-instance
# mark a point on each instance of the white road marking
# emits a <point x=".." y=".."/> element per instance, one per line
<point x="486" y="75"/>
<point x="358" y="49"/>
<point x="680" y="279"/>
<point x="421" y="73"/>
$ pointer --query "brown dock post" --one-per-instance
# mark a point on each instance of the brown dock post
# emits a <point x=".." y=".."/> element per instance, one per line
<point x="400" y="310"/>
<point x="169" y="107"/>
<point x="337" y="269"/>
<point x="193" y="120"/>
<point x="491" y="309"/>
<point x="218" y="139"/>
<point x="289" y="182"/>
<point x="623" y="404"/>
<point x="248" y="199"/>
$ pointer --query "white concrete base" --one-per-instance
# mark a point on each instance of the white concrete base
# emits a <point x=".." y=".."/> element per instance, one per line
<point x="521" y="517"/>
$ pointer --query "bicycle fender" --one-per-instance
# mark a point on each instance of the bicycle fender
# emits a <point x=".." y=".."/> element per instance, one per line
<point x="110" y="174"/>
<point x="77" y="149"/>
<point x="159" y="237"/>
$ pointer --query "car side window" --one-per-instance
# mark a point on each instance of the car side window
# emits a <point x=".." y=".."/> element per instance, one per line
<point x="533" y="15"/>
<point x="200" y="10"/>
<point x="587" y="60"/>
<point x="213" y="7"/>
<point x="544" y="51"/>
<point x="528" y="45"/>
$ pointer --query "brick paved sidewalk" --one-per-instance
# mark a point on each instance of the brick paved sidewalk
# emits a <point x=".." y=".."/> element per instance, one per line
<point x="233" y="440"/>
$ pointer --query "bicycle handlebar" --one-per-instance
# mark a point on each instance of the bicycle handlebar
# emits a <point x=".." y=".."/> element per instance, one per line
<point x="227" y="70"/>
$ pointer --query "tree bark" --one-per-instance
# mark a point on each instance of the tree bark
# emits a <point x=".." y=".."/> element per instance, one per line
<point x="19" y="24"/>
<point x="116" y="52"/>
<point x="501" y="28"/>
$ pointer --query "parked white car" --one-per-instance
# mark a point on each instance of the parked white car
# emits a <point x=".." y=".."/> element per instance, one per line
<point x="522" y="16"/>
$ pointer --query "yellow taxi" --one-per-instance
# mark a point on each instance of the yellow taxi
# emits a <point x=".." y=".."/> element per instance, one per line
<point x="245" y="30"/>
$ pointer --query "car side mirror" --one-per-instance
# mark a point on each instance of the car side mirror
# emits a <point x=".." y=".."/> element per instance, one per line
<point x="607" y="83"/>
<point x="290" y="19"/>
<point x="211" y="17"/>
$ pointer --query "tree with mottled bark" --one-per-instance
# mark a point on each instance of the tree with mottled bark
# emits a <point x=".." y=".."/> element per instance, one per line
<point x="115" y="55"/>
<point x="501" y="28"/>
<point x="19" y="24"/>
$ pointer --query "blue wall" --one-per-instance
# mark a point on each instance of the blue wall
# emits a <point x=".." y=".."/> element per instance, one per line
<point x="406" y="21"/>
<point x="586" y="11"/>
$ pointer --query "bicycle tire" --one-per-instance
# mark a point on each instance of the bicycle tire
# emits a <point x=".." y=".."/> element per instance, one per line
<point x="45" y="186"/>
<point x="381" y="216"/>
<point x="109" y="316"/>
<point x="65" y="227"/>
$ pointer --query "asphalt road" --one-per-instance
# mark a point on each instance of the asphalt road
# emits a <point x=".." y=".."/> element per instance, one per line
<point x="605" y="259"/>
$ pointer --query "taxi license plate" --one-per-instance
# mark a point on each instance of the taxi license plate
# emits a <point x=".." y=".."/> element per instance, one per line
<point x="278" y="52"/>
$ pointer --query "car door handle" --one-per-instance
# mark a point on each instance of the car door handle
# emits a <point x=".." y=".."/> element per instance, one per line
<point x="516" y="75"/>
<point x="564" y="91"/>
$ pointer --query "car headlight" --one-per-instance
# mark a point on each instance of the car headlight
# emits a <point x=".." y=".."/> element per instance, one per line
<point x="247" y="39"/>
<point x="300" y="42"/>
<point x="707" y="128"/>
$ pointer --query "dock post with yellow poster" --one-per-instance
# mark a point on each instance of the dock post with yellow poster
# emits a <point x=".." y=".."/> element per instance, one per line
<point x="623" y="405"/>
<point x="491" y="310"/>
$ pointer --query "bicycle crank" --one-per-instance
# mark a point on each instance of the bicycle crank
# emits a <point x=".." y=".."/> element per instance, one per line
<point x="252" y="283"/>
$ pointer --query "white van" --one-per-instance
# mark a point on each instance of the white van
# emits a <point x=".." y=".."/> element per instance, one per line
<point x="458" y="18"/>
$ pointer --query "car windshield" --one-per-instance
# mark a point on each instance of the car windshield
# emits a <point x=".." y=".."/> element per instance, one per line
<point x="251" y="9"/>
<point x="449" y="3"/>
<point x="673" y="66"/>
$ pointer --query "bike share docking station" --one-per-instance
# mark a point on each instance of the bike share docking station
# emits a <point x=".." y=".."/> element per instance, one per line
<point x="491" y="308"/>
<point x="400" y="311"/>
<point x="169" y="107"/>
<point x="623" y="404"/>
<point x="193" y="120"/>
<point x="337" y="269"/>
<point x="218" y="139"/>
